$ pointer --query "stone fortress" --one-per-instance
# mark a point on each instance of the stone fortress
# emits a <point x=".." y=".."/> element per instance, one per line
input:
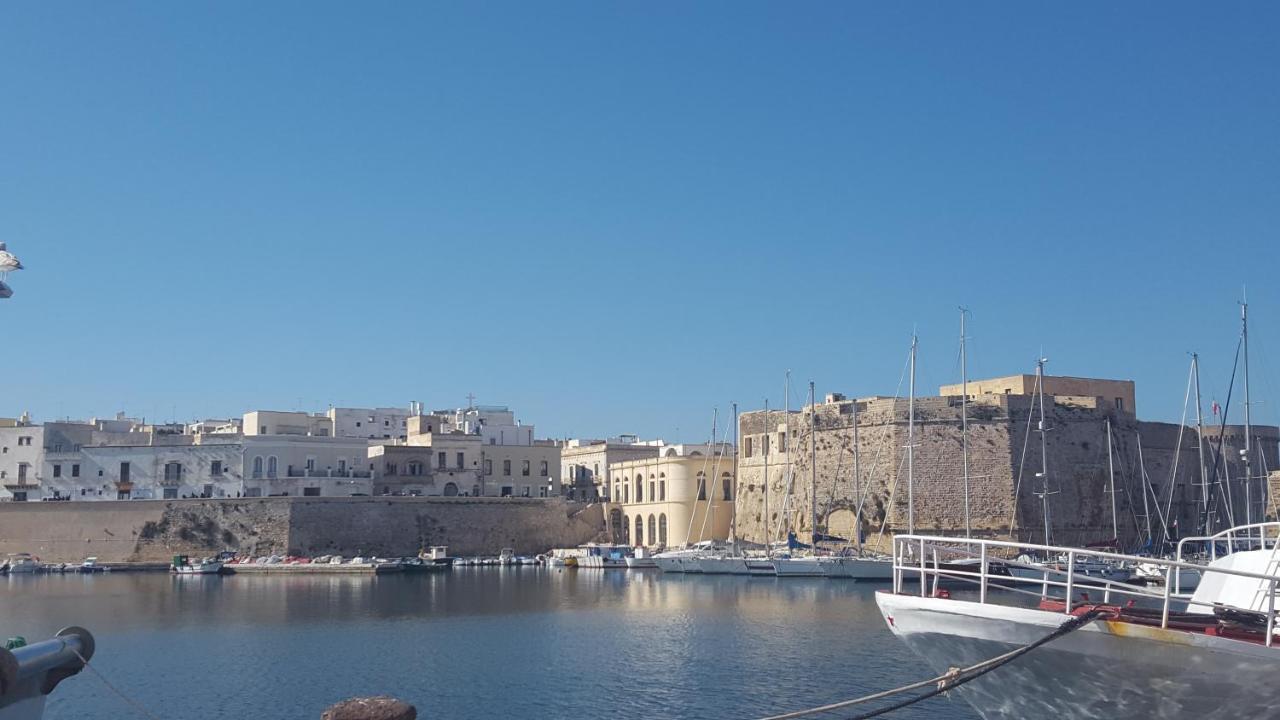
<point x="1004" y="466"/>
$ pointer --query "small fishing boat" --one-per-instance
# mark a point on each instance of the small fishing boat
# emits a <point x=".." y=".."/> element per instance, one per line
<point x="182" y="565"/>
<point x="23" y="563"/>
<point x="90" y="565"/>
<point x="641" y="560"/>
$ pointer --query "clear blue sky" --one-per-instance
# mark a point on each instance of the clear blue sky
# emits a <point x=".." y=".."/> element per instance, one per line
<point x="617" y="216"/>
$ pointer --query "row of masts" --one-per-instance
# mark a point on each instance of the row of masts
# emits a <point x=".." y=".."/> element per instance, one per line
<point x="1045" y="486"/>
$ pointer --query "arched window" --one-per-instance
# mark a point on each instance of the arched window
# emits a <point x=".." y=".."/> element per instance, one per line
<point x="652" y="494"/>
<point x="272" y="464"/>
<point x="626" y="530"/>
<point x="626" y="493"/>
<point x="450" y="489"/>
<point x="726" y="485"/>
<point x="653" y="529"/>
<point x="639" y="538"/>
<point x="639" y="488"/>
<point x="662" y="529"/>
<point x="662" y="486"/>
<point x="257" y="467"/>
<point x="702" y="485"/>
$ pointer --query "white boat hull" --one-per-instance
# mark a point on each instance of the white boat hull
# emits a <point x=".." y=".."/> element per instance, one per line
<point x="1108" y="669"/>
<point x="722" y="565"/>
<point x="798" y="567"/>
<point x="669" y="564"/>
<point x="862" y="568"/>
<point x="635" y="563"/>
<point x="212" y="568"/>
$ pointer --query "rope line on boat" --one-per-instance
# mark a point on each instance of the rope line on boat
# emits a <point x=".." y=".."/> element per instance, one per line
<point x="952" y="678"/>
<point x="143" y="711"/>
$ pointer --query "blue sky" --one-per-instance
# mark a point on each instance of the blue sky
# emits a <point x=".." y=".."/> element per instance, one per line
<point x="617" y="216"/>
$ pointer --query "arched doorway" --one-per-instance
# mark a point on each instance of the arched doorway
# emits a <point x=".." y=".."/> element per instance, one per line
<point x="617" y="525"/>
<point x="662" y="529"/>
<point x="450" y="489"/>
<point x="653" y="529"/>
<point x="639" y="538"/>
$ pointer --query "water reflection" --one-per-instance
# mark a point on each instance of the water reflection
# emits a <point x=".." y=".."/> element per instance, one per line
<point x="474" y="642"/>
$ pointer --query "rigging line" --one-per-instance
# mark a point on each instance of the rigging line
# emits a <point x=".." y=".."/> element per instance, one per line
<point x="142" y="710"/>
<point x="953" y="678"/>
<point x="715" y="415"/>
<point x="1022" y="462"/>
<point x="1222" y="436"/>
<point x="1177" y="455"/>
<point x="706" y="486"/>
<point x="892" y="422"/>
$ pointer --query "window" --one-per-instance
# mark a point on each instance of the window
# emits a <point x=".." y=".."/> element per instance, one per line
<point x="543" y="470"/>
<point x="264" y="430"/>
<point x="171" y="493"/>
<point x="253" y="492"/>
<point x="662" y="529"/>
<point x="75" y="470"/>
<point x="475" y="491"/>
<point x="461" y="461"/>
<point x="386" y="423"/>
<point x="524" y="468"/>
<point x="506" y="467"/>
<point x="653" y="528"/>
<point x="639" y="539"/>
<point x="1120" y="404"/>
<point x="415" y="468"/>
<point x="782" y="442"/>
<point x="726" y="483"/>
<point x="652" y="495"/>
<point x="172" y="472"/>
<point x="662" y="488"/>
<point x="311" y="464"/>
<point x="639" y="489"/>
<point x="389" y="469"/>
<point x="702" y="485"/>
<point x="747" y="447"/>
<point x="257" y="467"/>
<point x="20" y="497"/>
<point x="122" y="495"/>
<point x="357" y="423"/>
<point x="488" y="467"/>
<point x="57" y="470"/>
<point x="215" y="468"/>
<point x="311" y="492"/>
<point x="526" y="491"/>
<point x="22" y="473"/>
<point x="124" y="474"/>
<point x="442" y="460"/>
<point x="272" y="466"/>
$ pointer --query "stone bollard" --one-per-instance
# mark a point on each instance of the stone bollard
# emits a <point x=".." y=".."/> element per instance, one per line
<point x="371" y="708"/>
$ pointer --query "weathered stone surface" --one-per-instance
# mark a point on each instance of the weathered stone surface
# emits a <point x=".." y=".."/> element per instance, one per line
<point x="371" y="708"/>
<point x="1004" y="485"/>
<point x="155" y="530"/>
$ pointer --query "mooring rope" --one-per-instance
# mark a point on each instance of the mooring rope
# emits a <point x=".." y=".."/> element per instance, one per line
<point x="952" y="678"/>
<point x="144" y="712"/>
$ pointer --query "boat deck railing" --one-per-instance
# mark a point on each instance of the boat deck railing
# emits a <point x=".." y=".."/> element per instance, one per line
<point x="933" y="559"/>
<point x="1256" y="536"/>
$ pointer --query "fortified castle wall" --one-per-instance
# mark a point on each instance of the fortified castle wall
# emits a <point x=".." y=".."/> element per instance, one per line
<point x="1004" y="486"/>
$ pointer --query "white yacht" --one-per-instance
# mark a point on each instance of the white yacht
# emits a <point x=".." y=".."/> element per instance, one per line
<point x="1211" y="656"/>
<point x="798" y="566"/>
<point x="865" y="568"/>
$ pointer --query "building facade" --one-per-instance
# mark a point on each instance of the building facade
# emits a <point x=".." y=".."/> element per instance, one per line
<point x="585" y="464"/>
<point x="684" y="495"/>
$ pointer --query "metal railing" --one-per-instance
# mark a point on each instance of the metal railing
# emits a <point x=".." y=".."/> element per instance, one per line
<point x="1243" y="537"/>
<point x="931" y="559"/>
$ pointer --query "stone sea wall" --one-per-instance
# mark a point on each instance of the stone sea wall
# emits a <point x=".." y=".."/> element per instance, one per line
<point x="152" y="531"/>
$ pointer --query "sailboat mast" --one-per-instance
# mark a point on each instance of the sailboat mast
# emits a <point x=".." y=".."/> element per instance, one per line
<point x="813" y="466"/>
<point x="1146" y="487"/>
<point x="1044" y="451"/>
<point x="733" y="516"/>
<point x="785" y="447"/>
<point x="1111" y="472"/>
<point x="1204" y="475"/>
<point x="911" y="444"/>
<point x="857" y="481"/>
<point x="1248" y="431"/>
<point x="768" y="545"/>
<point x="964" y="422"/>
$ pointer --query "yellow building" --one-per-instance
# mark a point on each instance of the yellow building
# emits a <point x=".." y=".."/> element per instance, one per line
<point x="685" y="495"/>
<point x="1120" y="393"/>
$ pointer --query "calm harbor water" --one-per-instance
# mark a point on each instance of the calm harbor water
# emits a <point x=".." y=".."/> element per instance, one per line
<point x="471" y="643"/>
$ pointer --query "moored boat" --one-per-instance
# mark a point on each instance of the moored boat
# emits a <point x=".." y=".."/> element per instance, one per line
<point x="1215" y="658"/>
<point x="182" y="565"/>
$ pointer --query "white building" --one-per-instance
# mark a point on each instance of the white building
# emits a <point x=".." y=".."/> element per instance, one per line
<point x="370" y="423"/>
<point x="685" y="495"/>
<point x="585" y="463"/>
